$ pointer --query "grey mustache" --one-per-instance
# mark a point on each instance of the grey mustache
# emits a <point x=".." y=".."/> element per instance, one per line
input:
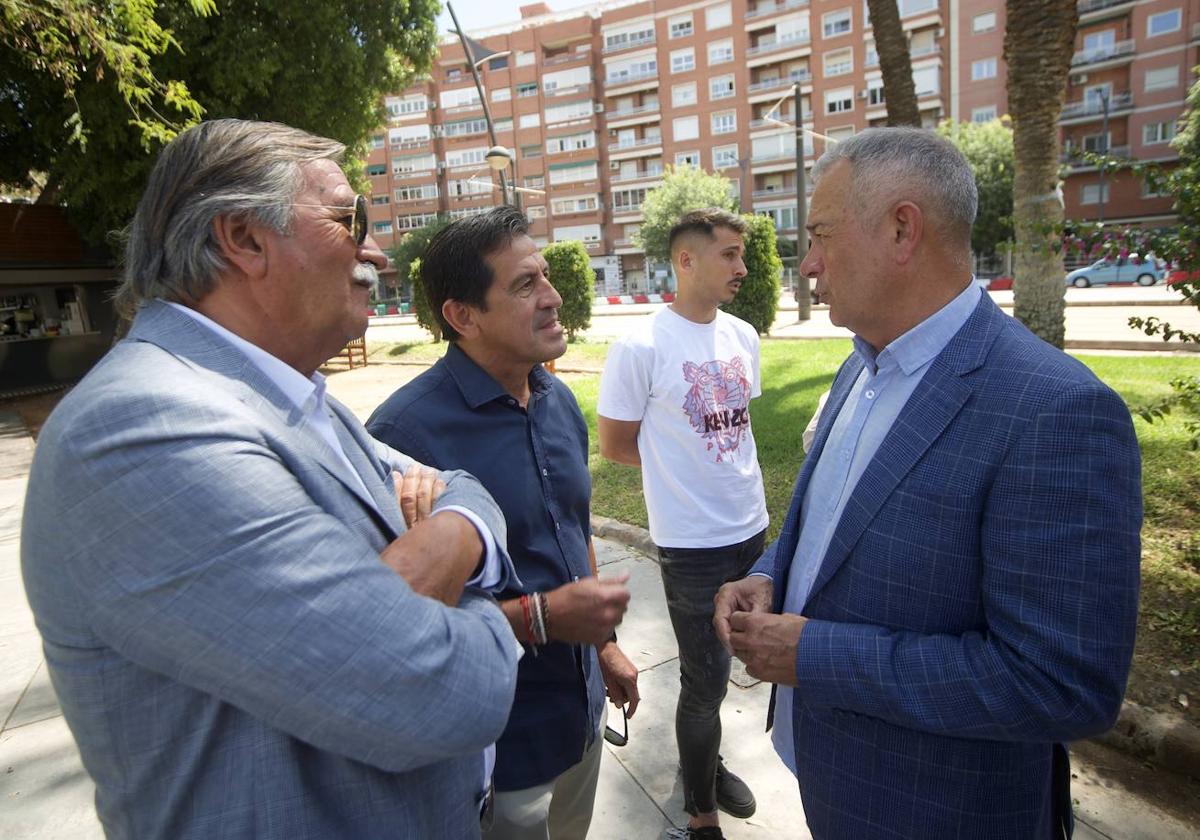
<point x="366" y="272"/>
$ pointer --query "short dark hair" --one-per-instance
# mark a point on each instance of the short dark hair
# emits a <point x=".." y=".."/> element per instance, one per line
<point x="454" y="267"/>
<point x="705" y="221"/>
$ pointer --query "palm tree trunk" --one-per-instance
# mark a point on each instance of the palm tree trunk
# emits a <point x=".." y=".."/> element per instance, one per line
<point x="895" y="65"/>
<point x="1039" y="41"/>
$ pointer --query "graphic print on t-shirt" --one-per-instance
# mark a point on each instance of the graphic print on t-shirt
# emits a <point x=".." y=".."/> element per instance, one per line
<point x="717" y="404"/>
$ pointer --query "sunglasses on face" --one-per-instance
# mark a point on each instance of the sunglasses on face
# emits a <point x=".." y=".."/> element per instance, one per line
<point x="356" y="223"/>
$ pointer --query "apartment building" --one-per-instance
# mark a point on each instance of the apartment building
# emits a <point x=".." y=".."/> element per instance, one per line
<point x="593" y="102"/>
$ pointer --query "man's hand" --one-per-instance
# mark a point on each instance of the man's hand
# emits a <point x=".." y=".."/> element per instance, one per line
<point x="417" y="489"/>
<point x="437" y="557"/>
<point x="767" y="644"/>
<point x="620" y="677"/>
<point x="588" y="610"/>
<point x="750" y="594"/>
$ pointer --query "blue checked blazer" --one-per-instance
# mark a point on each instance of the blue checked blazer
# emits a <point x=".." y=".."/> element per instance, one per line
<point x="232" y="657"/>
<point x="977" y="603"/>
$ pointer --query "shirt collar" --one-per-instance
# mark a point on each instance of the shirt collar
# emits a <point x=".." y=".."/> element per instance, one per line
<point x="477" y="385"/>
<point x="298" y="388"/>
<point x="917" y="347"/>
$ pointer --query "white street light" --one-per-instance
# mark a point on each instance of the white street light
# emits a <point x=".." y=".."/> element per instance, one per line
<point x="498" y="158"/>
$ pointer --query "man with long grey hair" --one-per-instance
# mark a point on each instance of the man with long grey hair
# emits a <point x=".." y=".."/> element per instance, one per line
<point x="260" y="623"/>
<point x="954" y="592"/>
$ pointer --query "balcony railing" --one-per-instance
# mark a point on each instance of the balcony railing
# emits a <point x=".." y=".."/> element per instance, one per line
<point x="773" y="123"/>
<point x="554" y="61"/>
<point x="1075" y="156"/>
<point x="1088" y="6"/>
<point x="640" y="143"/>
<point x="780" y="81"/>
<point x="633" y="112"/>
<point x="766" y="157"/>
<point x="922" y="52"/>
<point x="630" y="44"/>
<point x="1103" y="53"/>
<point x="412" y="144"/>
<point x="563" y="91"/>
<point x="778" y="192"/>
<point x="462" y="109"/>
<point x="629" y="78"/>
<point x="794" y="39"/>
<point x="627" y="209"/>
<point x="764" y="9"/>
<point x="655" y="172"/>
<point x="1094" y="106"/>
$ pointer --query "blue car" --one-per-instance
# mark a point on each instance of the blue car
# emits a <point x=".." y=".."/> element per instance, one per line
<point x="1131" y="269"/>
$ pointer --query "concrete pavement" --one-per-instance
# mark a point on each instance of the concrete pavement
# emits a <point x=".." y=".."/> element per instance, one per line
<point x="44" y="792"/>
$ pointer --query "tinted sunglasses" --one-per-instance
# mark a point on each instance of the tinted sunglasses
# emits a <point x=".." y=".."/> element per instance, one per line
<point x="618" y="739"/>
<point x="356" y="223"/>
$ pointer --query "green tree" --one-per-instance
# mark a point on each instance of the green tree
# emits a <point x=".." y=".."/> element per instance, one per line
<point x="758" y="298"/>
<point x="572" y="275"/>
<point x="420" y="302"/>
<point x="1039" y="41"/>
<point x="683" y="188"/>
<point x="988" y="147"/>
<point x="322" y="67"/>
<point x="411" y="247"/>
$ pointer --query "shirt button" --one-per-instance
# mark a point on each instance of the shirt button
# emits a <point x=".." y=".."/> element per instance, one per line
<point x="870" y="394"/>
<point x="545" y="472"/>
<point x="557" y="527"/>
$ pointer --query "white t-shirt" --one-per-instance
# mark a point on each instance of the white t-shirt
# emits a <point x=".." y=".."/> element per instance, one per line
<point x="690" y="385"/>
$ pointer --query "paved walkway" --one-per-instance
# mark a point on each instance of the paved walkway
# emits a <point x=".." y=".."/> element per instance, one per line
<point x="44" y="792"/>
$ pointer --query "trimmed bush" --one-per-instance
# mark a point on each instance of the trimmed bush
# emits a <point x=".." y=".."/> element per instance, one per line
<point x="572" y="276"/>
<point x="758" y="298"/>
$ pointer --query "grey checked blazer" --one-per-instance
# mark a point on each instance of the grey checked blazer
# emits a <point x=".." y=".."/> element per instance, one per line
<point x="231" y="656"/>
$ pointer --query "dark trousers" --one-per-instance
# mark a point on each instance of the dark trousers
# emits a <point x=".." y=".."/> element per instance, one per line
<point x="691" y="578"/>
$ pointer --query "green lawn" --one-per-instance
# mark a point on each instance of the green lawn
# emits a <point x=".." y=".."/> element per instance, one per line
<point x="796" y="373"/>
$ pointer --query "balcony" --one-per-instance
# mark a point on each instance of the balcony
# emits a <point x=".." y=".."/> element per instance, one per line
<point x="794" y="39"/>
<point x="627" y="209"/>
<point x="764" y="9"/>
<point x="643" y="41"/>
<point x="1073" y="156"/>
<point x="780" y="82"/>
<point x="785" y="119"/>
<point x="630" y="78"/>
<point x="1093" y="107"/>
<point x="778" y="192"/>
<point x="630" y="145"/>
<point x="1107" y="52"/>
<point x="774" y="156"/>
<point x="463" y="109"/>
<point x="1097" y="9"/>
<point x="556" y="60"/>
<point x="921" y="52"/>
<point x="643" y="175"/>
<point x="566" y="91"/>
<point x="633" y="112"/>
<point x="411" y="144"/>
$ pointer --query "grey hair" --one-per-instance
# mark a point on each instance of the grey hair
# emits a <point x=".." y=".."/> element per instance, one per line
<point x="890" y="164"/>
<point x="217" y="168"/>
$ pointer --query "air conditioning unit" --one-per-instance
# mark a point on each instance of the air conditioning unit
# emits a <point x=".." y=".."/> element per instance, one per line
<point x="433" y="105"/>
<point x="1079" y="79"/>
<point x="862" y="94"/>
<point x="612" y="132"/>
<point x="598" y="107"/>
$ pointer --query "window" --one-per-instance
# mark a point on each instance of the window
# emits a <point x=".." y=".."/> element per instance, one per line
<point x="536" y="212"/>
<point x="468" y="211"/>
<point x="1149" y="191"/>
<point x="721" y="87"/>
<point x="462" y="128"/>
<point x="717" y="16"/>
<point x="504" y="124"/>
<point x="875" y="95"/>
<point x="724" y="122"/>
<point x="380" y="199"/>
<point x="1098" y="143"/>
<point x="628" y="70"/>
<point x="571" y="111"/>
<point x="926" y="81"/>
<point x="683" y="94"/>
<point x="498" y="63"/>
<point x="416" y="193"/>
<point x="628" y="201"/>
<point x="525" y="59"/>
<point x="685" y="128"/>
<point x="1162" y="79"/>
<point x="571" y="142"/>
<point x="908" y="8"/>
<point x="413" y="163"/>
<point x="839" y="63"/>
<point x="1099" y="42"/>
<point x="564" y="80"/>
<point x="985" y="68"/>
<point x="466" y="157"/>
<point x="377" y="169"/>
<point x="1093" y="193"/>
<point x="580" y="233"/>
<point x="839" y="101"/>
<point x="408" y="105"/>
<point x="984" y="23"/>
<point x="680" y="27"/>
<point x="1164" y="23"/>
<point x="530" y="120"/>
<point x="501" y="94"/>
<point x="414" y="221"/>
<point x="835" y="23"/>
<point x="1160" y="132"/>
<point x="870" y="54"/>
<point x="534" y="151"/>
<point x="535" y="182"/>
<point x="381" y="227"/>
<point x="725" y="156"/>
<point x="569" y="173"/>
<point x="576" y="204"/>
<point x="641" y="33"/>
<point x="982" y="115"/>
<point x="783" y="217"/>
<point x="683" y="60"/>
<point x="720" y="52"/>
<point x="460" y="98"/>
<point x="377" y="141"/>
<point x="527" y="89"/>
<point x="687" y="158"/>
<point x="463" y="187"/>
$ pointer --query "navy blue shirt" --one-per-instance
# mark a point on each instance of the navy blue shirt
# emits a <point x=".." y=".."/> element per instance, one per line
<point x="533" y="461"/>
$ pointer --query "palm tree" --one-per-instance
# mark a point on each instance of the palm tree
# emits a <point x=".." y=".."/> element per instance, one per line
<point x="1039" y="41"/>
<point x="891" y="45"/>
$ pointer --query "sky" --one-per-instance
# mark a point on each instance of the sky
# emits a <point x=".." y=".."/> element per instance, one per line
<point x="480" y="14"/>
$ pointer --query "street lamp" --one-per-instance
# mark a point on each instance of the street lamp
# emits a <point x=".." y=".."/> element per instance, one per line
<point x="498" y="158"/>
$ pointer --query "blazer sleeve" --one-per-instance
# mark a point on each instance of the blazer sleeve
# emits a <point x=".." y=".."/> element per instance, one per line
<point x="1060" y="554"/>
<point x="208" y="560"/>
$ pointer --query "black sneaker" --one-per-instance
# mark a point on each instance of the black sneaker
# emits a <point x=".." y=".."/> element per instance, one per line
<point x="709" y="832"/>
<point x="733" y="795"/>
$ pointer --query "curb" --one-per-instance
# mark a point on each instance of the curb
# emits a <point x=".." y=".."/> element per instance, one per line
<point x="1168" y="740"/>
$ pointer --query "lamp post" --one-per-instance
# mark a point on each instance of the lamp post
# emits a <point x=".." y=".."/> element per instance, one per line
<point x="1103" y="149"/>
<point x="803" y="292"/>
<point x="498" y="158"/>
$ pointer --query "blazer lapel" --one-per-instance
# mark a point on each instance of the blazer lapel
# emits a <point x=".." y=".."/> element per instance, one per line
<point x="936" y="401"/>
<point x="360" y="448"/>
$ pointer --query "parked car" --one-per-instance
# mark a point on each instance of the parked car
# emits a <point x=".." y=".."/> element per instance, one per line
<point x="1180" y="275"/>
<point x="1131" y="269"/>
